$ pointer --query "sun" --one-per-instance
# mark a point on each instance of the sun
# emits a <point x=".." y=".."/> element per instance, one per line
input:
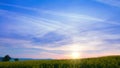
<point x="75" y="55"/>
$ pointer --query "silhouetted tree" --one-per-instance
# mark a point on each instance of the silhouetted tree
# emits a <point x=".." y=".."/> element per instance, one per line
<point x="16" y="59"/>
<point x="6" y="58"/>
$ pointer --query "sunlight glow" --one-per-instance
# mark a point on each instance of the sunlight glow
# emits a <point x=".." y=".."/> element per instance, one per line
<point x="75" y="55"/>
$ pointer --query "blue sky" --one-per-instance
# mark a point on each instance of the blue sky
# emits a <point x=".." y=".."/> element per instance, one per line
<point x="58" y="28"/>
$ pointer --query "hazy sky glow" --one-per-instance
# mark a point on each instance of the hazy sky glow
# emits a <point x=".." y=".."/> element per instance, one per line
<point x="58" y="28"/>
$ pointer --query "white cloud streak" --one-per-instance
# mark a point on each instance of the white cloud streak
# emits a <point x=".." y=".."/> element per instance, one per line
<point x="79" y="30"/>
<point x="115" y="3"/>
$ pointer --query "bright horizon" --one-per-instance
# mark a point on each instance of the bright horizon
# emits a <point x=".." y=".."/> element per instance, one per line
<point x="59" y="29"/>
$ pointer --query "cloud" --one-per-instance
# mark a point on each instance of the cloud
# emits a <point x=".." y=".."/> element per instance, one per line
<point x="115" y="3"/>
<point x="17" y="6"/>
<point x="61" y="32"/>
<point x="72" y="16"/>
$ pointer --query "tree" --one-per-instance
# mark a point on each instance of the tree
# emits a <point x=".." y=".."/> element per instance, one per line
<point x="16" y="59"/>
<point x="6" y="58"/>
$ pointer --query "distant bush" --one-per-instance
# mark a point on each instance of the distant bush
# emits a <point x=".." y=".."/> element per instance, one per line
<point x="16" y="59"/>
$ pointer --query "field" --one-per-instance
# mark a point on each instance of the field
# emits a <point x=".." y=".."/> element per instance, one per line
<point x="101" y="62"/>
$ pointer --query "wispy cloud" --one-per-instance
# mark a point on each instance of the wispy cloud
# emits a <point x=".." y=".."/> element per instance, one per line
<point x="110" y="2"/>
<point x="18" y="6"/>
<point x="81" y="33"/>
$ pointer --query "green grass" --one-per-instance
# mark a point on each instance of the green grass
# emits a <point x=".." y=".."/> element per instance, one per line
<point x="101" y="62"/>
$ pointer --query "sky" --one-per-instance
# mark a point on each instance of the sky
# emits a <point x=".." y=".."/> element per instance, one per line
<point x="59" y="29"/>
